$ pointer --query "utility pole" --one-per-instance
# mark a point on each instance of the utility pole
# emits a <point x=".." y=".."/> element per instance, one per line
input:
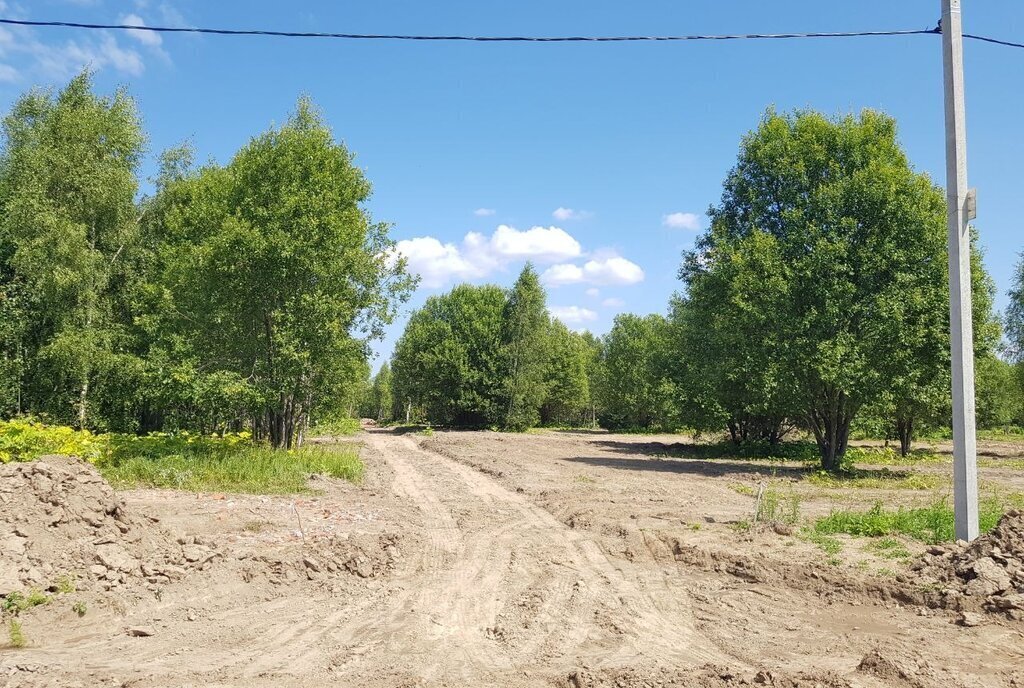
<point x="959" y="202"/>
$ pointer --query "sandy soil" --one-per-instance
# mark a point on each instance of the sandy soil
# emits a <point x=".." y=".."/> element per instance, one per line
<point x="552" y="559"/>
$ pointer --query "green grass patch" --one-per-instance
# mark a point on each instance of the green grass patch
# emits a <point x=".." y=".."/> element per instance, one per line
<point x="336" y="427"/>
<point x="183" y="460"/>
<point x="931" y="523"/>
<point x="889" y="548"/>
<point x="246" y="468"/>
<point x="883" y="479"/>
<point x="1011" y="464"/>
<point x="888" y="456"/>
<point x="826" y="543"/>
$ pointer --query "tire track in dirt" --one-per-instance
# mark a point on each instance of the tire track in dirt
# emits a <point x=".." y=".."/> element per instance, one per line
<point x="446" y="622"/>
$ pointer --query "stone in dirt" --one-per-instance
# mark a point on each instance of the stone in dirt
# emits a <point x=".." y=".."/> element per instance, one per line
<point x="61" y="517"/>
<point x="983" y="575"/>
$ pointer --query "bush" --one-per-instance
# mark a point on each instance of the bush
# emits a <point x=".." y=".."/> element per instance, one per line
<point x="26" y="439"/>
<point x="231" y="462"/>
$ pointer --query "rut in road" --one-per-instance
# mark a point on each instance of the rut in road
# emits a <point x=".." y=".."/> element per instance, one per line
<point x="507" y="587"/>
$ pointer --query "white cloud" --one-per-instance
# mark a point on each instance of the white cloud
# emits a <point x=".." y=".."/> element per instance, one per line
<point x="30" y="57"/>
<point x="479" y="255"/>
<point x="147" y="38"/>
<point x="572" y="314"/>
<point x="539" y="243"/>
<point x="593" y="292"/>
<point x="484" y="212"/>
<point x="565" y="273"/>
<point x="436" y="263"/>
<point x="613" y="303"/>
<point x="613" y="270"/>
<point x="681" y="221"/>
<point x="564" y="214"/>
<point x="8" y="74"/>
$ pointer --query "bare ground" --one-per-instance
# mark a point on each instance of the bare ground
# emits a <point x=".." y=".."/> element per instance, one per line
<point x="555" y="559"/>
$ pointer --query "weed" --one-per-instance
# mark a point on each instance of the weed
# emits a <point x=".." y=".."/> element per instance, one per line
<point x="255" y="526"/>
<point x="79" y="608"/>
<point x="776" y="507"/>
<point x="742" y="489"/>
<point x="741" y="526"/>
<point x="883" y="479"/>
<point x="695" y="526"/>
<point x="889" y="548"/>
<point x="427" y="431"/>
<point x="16" y="602"/>
<point x="65" y="585"/>
<point x="15" y="635"/>
<point x="931" y="523"/>
<point x="827" y="544"/>
<point x="585" y="479"/>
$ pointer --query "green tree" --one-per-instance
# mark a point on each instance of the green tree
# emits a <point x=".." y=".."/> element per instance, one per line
<point x="997" y="393"/>
<point x="448" y="362"/>
<point x="838" y="246"/>
<point x="67" y="189"/>
<point x="524" y="348"/>
<point x="638" y="393"/>
<point x="270" y="268"/>
<point x="1013" y="318"/>
<point x="381" y="407"/>
<point x="566" y="384"/>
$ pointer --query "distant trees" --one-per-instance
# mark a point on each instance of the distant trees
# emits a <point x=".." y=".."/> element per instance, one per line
<point x="638" y="393"/>
<point x="237" y="296"/>
<point x="821" y="282"/>
<point x="449" y="361"/>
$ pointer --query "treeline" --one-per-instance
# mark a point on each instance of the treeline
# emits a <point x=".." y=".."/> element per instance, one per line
<point x="235" y="296"/>
<point x="817" y="300"/>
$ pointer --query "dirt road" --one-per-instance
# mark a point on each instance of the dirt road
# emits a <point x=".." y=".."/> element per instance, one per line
<point x="488" y="559"/>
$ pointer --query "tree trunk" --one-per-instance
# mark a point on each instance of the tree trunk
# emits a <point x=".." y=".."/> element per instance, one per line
<point x="83" y="397"/>
<point x="905" y="430"/>
<point x="830" y="422"/>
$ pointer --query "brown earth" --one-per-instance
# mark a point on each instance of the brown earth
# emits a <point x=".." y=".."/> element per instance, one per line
<point x="552" y="559"/>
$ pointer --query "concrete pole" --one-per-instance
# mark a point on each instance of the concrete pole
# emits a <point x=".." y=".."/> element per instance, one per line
<point x="965" y="460"/>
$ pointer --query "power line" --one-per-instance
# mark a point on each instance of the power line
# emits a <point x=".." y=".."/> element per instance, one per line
<point x="485" y="39"/>
<point x="496" y="39"/>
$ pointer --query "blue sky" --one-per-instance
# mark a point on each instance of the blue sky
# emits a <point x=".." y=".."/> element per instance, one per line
<point x="598" y="161"/>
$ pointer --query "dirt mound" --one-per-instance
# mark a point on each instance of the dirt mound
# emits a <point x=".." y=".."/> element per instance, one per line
<point x="59" y="518"/>
<point x="986" y="574"/>
<point x="705" y="677"/>
<point x="365" y="556"/>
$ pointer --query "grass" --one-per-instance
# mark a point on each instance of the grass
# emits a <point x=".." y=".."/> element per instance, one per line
<point x="826" y="543"/>
<point x="65" y="585"/>
<point x="889" y="548"/>
<point x="218" y="467"/>
<point x="883" y="479"/>
<point x="336" y="427"/>
<point x="15" y="636"/>
<point x="16" y="602"/>
<point x="776" y="507"/>
<point x="888" y="456"/>
<point x="931" y="523"/>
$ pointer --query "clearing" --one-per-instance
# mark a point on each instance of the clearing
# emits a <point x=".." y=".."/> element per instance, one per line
<point x="479" y="558"/>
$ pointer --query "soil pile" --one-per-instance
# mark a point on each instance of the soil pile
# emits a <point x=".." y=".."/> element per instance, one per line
<point x="59" y="517"/>
<point x="986" y="574"/>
